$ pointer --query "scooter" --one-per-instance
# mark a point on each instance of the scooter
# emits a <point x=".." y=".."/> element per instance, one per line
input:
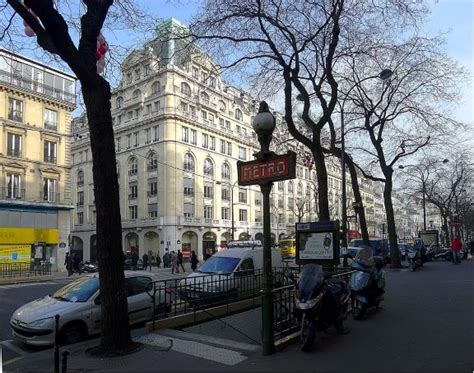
<point x="415" y="259"/>
<point x="88" y="268"/>
<point x="320" y="302"/>
<point x="367" y="284"/>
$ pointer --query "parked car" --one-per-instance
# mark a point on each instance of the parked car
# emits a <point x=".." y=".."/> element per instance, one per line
<point x="403" y="248"/>
<point x="228" y="274"/>
<point x="128" y="265"/>
<point x="379" y="247"/>
<point x="78" y="304"/>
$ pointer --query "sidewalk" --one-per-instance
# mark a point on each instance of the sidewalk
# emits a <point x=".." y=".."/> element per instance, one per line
<point x="423" y="314"/>
<point x="27" y="279"/>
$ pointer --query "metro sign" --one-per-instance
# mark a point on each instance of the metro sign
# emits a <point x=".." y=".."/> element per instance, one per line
<point x="274" y="168"/>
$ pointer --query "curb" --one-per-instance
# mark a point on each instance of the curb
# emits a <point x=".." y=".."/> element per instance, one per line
<point x="29" y="281"/>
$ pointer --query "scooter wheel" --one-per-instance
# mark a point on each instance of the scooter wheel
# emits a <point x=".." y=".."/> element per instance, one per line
<point x="358" y="310"/>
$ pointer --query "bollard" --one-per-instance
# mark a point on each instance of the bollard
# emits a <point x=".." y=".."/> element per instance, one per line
<point x="56" y="345"/>
<point x="64" y="362"/>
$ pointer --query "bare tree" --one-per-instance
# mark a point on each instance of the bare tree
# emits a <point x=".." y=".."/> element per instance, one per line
<point x="56" y="27"/>
<point x="394" y="120"/>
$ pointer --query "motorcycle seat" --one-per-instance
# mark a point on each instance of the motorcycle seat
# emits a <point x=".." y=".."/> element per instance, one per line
<point x="337" y="286"/>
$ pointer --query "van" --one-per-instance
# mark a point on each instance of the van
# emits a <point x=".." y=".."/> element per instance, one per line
<point x="379" y="247"/>
<point x="236" y="272"/>
<point x="287" y="247"/>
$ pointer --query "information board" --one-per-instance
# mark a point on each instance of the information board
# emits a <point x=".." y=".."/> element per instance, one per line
<point x="317" y="242"/>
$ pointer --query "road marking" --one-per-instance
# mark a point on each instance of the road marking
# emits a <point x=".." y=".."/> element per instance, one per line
<point x="14" y="348"/>
<point x="209" y="339"/>
<point x="203" y="351"/>
<point x="26" y="284"/>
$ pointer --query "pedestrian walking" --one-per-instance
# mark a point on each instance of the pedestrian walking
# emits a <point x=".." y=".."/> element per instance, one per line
<point x="456" y="246"/>
<point x="68" y="264"/>
<point x="158" y="260"/>
<point x="174" y="262"/>
<point x="180" y="260"/>
<point x="76" y="263"/>
<point x="194" y="260"/>
<point x="145" y="261"/>
<point x="166" y="259"/>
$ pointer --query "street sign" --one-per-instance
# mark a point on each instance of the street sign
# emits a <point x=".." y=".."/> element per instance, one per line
<point x="274" y="168"/>
<point x="317" y="242"/>
<point x="455" y="223"/>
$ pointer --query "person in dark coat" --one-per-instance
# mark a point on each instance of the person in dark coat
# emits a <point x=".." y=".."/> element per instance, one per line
<point x="68" y="264"/>
<point x="194" y="260"/>
<point x="180" y="260"/>
<point x="145" y="261"/>
<point x="158" y="260"/>
<point x="76" y="263"/>
<point x="166" y="259"/>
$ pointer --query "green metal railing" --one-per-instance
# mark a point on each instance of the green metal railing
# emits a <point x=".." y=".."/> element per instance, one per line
<point x="11" y="270"/>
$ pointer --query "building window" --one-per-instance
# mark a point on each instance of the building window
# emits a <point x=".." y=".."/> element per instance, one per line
<point x="148" y="109"/>
<point x="211" y="120"/>
<point x="281" y="203"/>
<point x="242" y="153"/>
<point x="156" y="88"/>
<point x="208" y="168"/>
<point x="205" y="98"/>
<point x="188" y="163"/>
<point x="243" y="195"/>
<point x="223" y="146"/>
<point x="14" y="190"/>
<point x="281" y="186"/>
<point x="225" y="194"/>
<point x="291" y="203"/>
<point x="188" y="210"/>
<point x="119" y="102"/>
<point x="15" y="109"/>
<point x="242" y="215"/>
<point x="184" y="107"/>
<point x="14" y="142"/>
<point x="80" y="198"/>
<point x="135" y="137"/>
<point x="138" y="74"/>
<point x="133" y="212"/>
<point x="205" y="140"/>
<point x="195" y="71"/>
<point x="80" y="178"/>
<point x="80" y="218"/>
<point x="129" y="78"/>
<point x="258" y="201"/>
<point x="185" y="89"/>
<point x="221" y="123"/>
<point x="237" y="128"/>
<point x="129" y="141"/>
<point x="157" y="106"/>
<point x="133" y="167"/>
<point x="185" y="134"/>
<point x="204" y="116"/>
<point x="227" y="124"/>
<point x="133" y="191"/>
<point x="290" y="187"/>
<point x="208" y="212"/>
<point x="225" y="213"/>
<point x="152" y="162"/>
<point x="50" y="151"/>
<point x="156" y="133"/>
<point x="299" y="189"/>
<point x="152" y="188"/>
<point x="225" y="171"/>
<point x="229" y="148"/>
<point x="147" y="135"/>
<point x="238" y="114"/>
<point x="212" y="145"/>
<point x="50" y="119"/>
<point x="193" y="137"/>
<point x="152" y="210"/>
<point x="188" y="191"/>
<point x="208" y="191"/>
<point x="49" y="190"/>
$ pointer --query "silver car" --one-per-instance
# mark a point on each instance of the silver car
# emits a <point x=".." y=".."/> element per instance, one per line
<point x="78" y="304"/>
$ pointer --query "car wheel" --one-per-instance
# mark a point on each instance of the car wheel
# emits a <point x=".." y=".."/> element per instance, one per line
<point x="72" y="333"/>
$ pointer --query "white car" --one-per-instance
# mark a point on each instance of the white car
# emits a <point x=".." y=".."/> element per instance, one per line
<point x="78" y="304"/>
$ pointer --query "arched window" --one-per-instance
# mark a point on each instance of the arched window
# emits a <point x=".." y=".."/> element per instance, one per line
<point x="300" y="189"/>
<point x="188" y="164"/>
<point x="238" y="114"/>
<point x="290" y="187"/>
<point x="225" y="171"/>
<point x="156" y="87"/>
<point x="132" y="166"/>
<point x="152" y="162"/>
<point x="185" y="89"/>
<point x="221" y="105"/>
<point x="208" y="167"/>
<point x="308" y="190"/>
<point x="137" y="93"/>
<point x="205" y="97"/>
<point x="80" y="178"/>
<point x="119" y="102"/>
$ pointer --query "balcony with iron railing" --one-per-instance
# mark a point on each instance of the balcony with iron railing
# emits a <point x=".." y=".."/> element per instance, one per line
<point x="24" y="82"/>
<point x="16" y="115"/>
<point x="53" y="126"/>
<point x="49" y="159"/>
<point x="47" y="196"/>
<point x="14" y="153"/>
<point x="12" y="193"/>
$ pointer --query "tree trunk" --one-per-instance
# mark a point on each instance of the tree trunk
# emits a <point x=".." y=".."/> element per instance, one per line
<point x="391" y="227"/>
<point x="322" y="176"/>
<point x="115" y="331"/>
<point x="358" y="199"/>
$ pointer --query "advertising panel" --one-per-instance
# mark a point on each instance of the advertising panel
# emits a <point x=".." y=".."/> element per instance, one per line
<point x="15" y="253"/>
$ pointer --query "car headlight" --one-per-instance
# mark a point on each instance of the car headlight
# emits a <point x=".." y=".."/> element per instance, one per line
<point x="41" y="322"/>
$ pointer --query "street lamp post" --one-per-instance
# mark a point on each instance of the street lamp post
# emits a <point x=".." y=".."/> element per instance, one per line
<point x="232" y="209"/>
<point x="264" y="124"/>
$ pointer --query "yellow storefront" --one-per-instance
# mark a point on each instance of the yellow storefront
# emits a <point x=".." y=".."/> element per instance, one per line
<point x="23" y="245"/>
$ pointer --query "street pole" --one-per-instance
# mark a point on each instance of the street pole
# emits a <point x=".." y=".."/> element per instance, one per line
<point x="232" y="210"/>
<point x="424" y="202"/>
<point x="267" y="301"/>
<point x="343" y="179"/>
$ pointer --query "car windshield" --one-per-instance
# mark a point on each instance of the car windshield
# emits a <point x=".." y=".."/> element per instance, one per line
<point x="219" y="264"/>
<point x="285" y="244"/>
<point x="79" y="290"/>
